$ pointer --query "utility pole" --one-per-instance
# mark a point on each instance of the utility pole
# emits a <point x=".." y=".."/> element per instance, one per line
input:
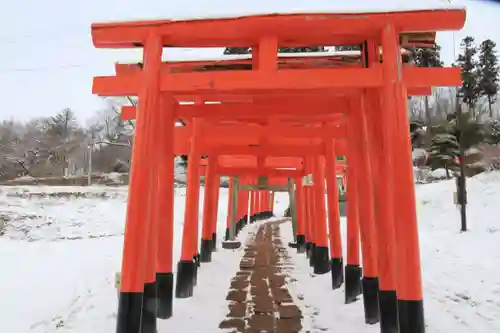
<point x="89" y="173"/>
<point x="461" y="181"/>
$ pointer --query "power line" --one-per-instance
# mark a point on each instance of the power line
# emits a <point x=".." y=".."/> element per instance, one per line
<point x="45" y="41"/>
<point x="42" y="69"/>
<point x="44" y="35"/>
<point x="40" y="39"/>
<point x="75" y="66"/>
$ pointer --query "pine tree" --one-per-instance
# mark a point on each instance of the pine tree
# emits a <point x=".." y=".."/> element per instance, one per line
<point x="237" y="50"/>
<point x="427" y="57"/>
<point x="468" y="131"/>
<point x="248" y="50"/>
<point x="62" y="124"/>
<point x="301" y="49"/>
<point x="185" y="160"/>
<point x="443" y="152"/>
<point x="348" y="48"/>
<point x="416" y="132"/>
<point x="488" y="72"/>
<point x="469" y="91"/>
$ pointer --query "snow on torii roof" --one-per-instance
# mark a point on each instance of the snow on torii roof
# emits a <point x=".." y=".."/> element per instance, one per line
<point x="336" y="7"/>
<point x="292" y="28"/>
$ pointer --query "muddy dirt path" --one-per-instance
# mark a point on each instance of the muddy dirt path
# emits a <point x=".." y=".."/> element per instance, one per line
<point x="259" y="300"/>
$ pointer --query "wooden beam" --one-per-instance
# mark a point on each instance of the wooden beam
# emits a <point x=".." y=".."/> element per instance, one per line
<point x="233" y="81"/>
<point x="250" y="110"/>
<point x="271" y="180"/>
<point x="340" y="80"/>
<point x="274" y="150"/>
<point x="245" y="145"/>
<point x="247" y="134"/>
<point x="422" y="77"/>
<point x="259" y="172"/>
<point x="250" y="132"/>
<point x="269" y="162"/>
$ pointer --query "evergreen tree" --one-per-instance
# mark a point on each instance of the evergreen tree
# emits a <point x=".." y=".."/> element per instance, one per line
<point x="237" y="50"/>
<point x="248" y="50"/>
<point x="464" y="125"/>
<point x="488" y="72"/>
<point x="348" y="48"/>
<point x="443" y="152"/>
<point x="465" y="130"/>
<point x="62" y="124"/>
<point x="301" y="49"/>
<point x="469" y="91"/>
<point x="468" y="131"/>
<point x="416" y="132"/>
<point x="427" y="57"/>
<point x="185" y="160"/>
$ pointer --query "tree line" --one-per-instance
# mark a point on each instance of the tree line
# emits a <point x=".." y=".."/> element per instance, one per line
<point x="461" y="124"/>
<point x="59" y="145"/>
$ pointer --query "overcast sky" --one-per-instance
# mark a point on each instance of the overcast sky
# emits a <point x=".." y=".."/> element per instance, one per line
<point x="47" y="60"/>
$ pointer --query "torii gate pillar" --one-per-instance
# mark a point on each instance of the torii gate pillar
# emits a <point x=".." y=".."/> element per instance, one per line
<point x="409" y="283"/>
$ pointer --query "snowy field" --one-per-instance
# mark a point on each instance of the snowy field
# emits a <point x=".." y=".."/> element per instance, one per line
<point x="59" y="253"/>
<point x="461" y="274"/>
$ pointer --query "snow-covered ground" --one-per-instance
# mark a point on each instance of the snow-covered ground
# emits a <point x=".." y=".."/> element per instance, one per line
<point x="61" y="246"/>
<point x="59" y="253"/>
<point x="460" y="270"/>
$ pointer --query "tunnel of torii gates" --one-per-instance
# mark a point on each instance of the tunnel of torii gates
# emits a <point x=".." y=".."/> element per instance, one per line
<point x="276" y="120"/>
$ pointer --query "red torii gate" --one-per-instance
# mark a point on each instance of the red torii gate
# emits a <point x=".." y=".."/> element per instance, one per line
<point x="387" y="82"/>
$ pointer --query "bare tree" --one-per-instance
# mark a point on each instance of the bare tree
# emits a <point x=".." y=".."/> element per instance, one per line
<point x="111" y="136"/>
<point x="415" y="109"/>
<point x="107" y="126"/>
<point x="19" y="148"/>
